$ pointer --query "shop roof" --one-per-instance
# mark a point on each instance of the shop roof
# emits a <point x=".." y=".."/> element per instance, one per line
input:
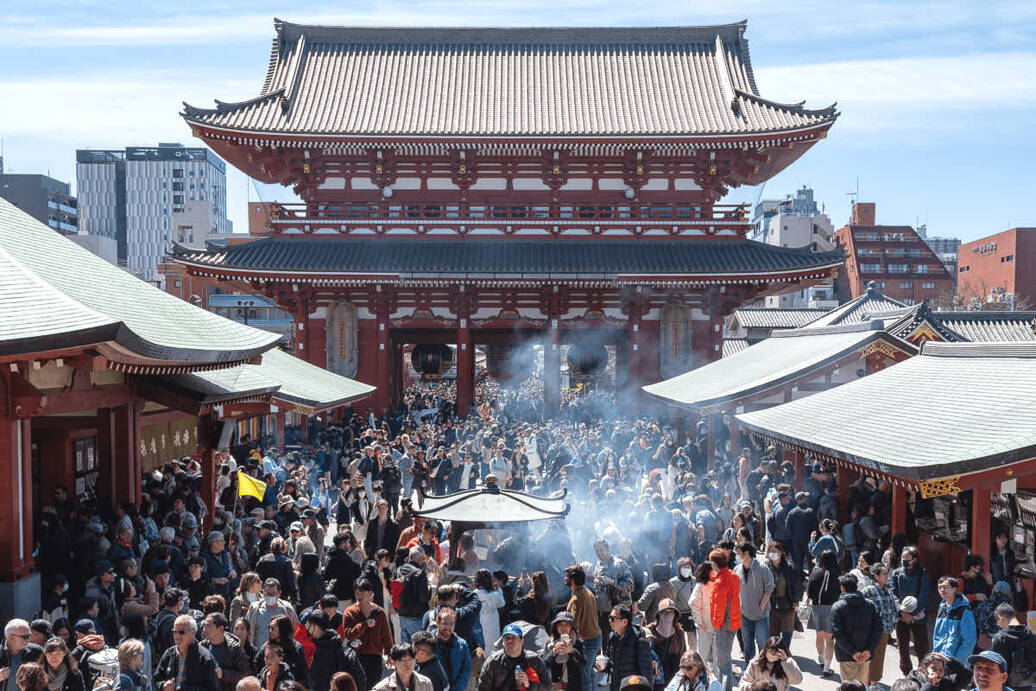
<point x="858" y="309"/>
<point x="775" y="317"/>
<point x="461" y="81"/>
<point x="57" y="295"/>
<point x="956" y="408"/>
<point x="760" y="369"/>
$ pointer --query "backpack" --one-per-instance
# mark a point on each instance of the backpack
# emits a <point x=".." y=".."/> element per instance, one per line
<point x="1023" y="664"/>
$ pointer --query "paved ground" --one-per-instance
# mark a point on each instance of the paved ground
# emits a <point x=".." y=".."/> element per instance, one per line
<point x="803" y="648"/>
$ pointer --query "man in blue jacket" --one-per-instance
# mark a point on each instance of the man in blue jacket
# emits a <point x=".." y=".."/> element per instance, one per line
<point x="453" y="653"/>
<point x="955" y="632"/>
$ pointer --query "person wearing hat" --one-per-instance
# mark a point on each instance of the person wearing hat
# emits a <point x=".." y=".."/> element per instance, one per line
<point x="88" y="643"/>
<point x="564" y="655"/>
<point x="312" y="528"/>
<point x="990" y="671"/>
<point x="286" y="515"/>
<point x="666" y="637"/>
<point x="512" y="668"/>
<point x="219" y="566"/>
<point x="101" y="588"/>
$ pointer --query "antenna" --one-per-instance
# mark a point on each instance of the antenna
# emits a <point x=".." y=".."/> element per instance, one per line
<point x="853" y="196"/>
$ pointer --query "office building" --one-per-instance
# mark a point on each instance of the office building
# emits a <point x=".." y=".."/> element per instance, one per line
<point x="147" y="198"/>
<point x="47" y="200"/>
<point x="998" y="269"/>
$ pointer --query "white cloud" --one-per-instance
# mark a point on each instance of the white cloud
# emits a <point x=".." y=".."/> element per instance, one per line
<point x="909" y="93"/>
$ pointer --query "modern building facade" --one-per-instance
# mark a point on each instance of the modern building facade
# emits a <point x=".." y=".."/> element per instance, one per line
<point x="149" y="197"/>
<point x="999" y="269"/>
<point x="47" y="200"/>
<point x="895" y="258"/>
<point x="796" y="222"/>
<point x="946" y="248"/>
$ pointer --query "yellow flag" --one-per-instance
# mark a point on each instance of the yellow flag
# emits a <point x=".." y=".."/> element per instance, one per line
<point x="248" y="486"/>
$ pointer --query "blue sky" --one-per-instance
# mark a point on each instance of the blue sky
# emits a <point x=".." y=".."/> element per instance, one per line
<point x="938" y="99"/>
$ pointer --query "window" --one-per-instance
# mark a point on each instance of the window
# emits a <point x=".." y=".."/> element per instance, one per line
<point x="177" y="172"/>
<point x="900" y="252"/>
<point x="201" y="185"/>
<point x="928" y="286"/>
<point x="898" y="268"/>
<point x="1008" y="258"/>
<point x="908" y="301"/>
<point x="921" y="268"/>
<point x="191" y="173"/>
<point x="866" y="236"/>
<point x="906" y="285"/>
<point x="177" y="187"/>
<point x="191" y="186"/>
<point x="964" y="269"/>
<point x="177" y="199"/>
<point x="870" y="268"/>
<point x="163" y="184"/>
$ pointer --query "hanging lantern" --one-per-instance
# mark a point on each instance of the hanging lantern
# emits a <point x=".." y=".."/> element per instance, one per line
<point x="431" y="361"/>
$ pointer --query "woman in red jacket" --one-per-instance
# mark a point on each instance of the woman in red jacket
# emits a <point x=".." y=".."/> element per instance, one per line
<point x="726" y="615"/>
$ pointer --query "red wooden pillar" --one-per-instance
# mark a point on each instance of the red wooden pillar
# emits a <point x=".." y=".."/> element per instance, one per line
<point x="280" y="429"/>
<point x="105" y="453"/>
<point x="126" y="466"/>
<point x="465" y="368"/>
<point x="16" y="494"/>
<point x="302" y="340"/>
<point x="798" y="459"/>
<point x="552" y="369"/>
<point x="304" y="428"/>
<point x="208" y="437"/>
<point x="981" y="512"/>
<point x="899" y="509"/>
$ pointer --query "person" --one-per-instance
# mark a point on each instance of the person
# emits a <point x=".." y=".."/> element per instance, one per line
<point x="826" y="539"/>
<point x="1002" y="562"/>
<point x="884" y="600"/>
<point x="343" y="681"/>
<point x="864" y="561"/>
<point x="931" y="675"/>
<point x="226" y="650"/>
<point x="16" y="651"/>
<point x="415" y="595"/>
<point x="132" y="675"/>
<point x="382" y="531"/>
<point x="910" y="584"/>
<point x="666" y="638"/>
<point x="955" y="632"/>
<point x="1017" y="644"/>
<point x="276" y="566"/>
<point x="773" y="664"/>
<point x="403" y="659"/>
<point x="856" y="628"/>
<point x="291" y="653"/>
<point x="310" y="582"/>
<point x="341" y="571"/>
<point x="990" y="671"/>
<point x="365" y="626"/>
<point x="512" y="668"/>
<point x="451" y="650"/>
<point x="823" y="592"/>
<point x="582" y="605"/>
<point x="682" y="585"/>
<point x="701" y="612"/>
<point x="249" y="591"/>
<point x="802" y="521"/>
<point x="427" y="663"/>
<point x="563" y="656"/>
<point x="627" y="650"/>
<point x="972" y="584"/>
<point x="31" y="677"/>
<point x="613" y="582"/>
<point x="275" y="670"/>
<point x="329" y="654"/>
<point x="693" y="675"/>
<point x="249" y="684"/>
<point x="260" y="614"/>
<point x="659" y="589"/>
<point x="756" y="587"/>
<point x="787" y="591"/>
<point x="88" y="644"/>
<point x="534" y="607"/>
<point x="186" y="665"/>
<point x="725" y="610"/>
<point x="62" y="669"/>
<point x="492" y="600"/>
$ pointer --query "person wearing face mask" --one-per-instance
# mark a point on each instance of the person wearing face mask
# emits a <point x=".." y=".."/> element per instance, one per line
<point x="774" y="665"/>
<point x="666" y="638"/>
<point x="261" y="613"/>
<point x="911" y="581"/>
<point x="682" y="585"/>
<point x="973" y="585"/>
<point x="787" y="592"/>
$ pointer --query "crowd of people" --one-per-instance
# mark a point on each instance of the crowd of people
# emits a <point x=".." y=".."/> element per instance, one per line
<point x="329" y="579"/>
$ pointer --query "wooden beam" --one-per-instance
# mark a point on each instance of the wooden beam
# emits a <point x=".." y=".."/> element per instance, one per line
<point x="86" y="399"/>
<point x="151" y="391"/>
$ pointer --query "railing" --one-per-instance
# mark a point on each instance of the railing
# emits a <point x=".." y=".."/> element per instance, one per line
<point x="506" y="218"/>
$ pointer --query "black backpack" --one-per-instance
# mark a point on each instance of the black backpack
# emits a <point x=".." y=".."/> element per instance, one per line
<point x="1023" y="663"/>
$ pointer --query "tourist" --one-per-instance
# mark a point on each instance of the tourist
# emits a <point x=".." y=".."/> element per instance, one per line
<point x="693" y="675"/>
<point x="824" y="591"/>
<point x="931" y="675"/>
<point x="289" y="650"/>
<point x="404" y="677"/>
<point x="910" y="585"/>
<point x="990" y="671"/>
<point x="955" y="632"/>
<point x="451" y="650"/>
<point x="884" y="600"/>
<point x="492" y="600"/>
<point x="787" y="592"/>
<point x="133" y="673"/>
<point x="582" y="605"/>
<point x="63" y="671"/>
<point x="261" y="614"/>
<point x="512" y="668"/>
<point x="274" y="671"/>
<point x="613" y="582"/>
<point x="186" y="662"/>
<point x="756" y="589"/>
<point x="16" y="650"/>
<point x="666" y="637"/>
<point x="31" y="677"/>
<point x="366" y="630"/>
<point x="856" y="628"/>
<point x="564" y="656"/>
<point x="533" y="608"/>
<point x="414" y="595"/>
<point x="1016" y="643"/>
<point x="427" y="663"/>
<point x="773" y="664"/>
<point x="725" y="610"/>
<point x="627" y="651"/>
<point x="233" y="661"/>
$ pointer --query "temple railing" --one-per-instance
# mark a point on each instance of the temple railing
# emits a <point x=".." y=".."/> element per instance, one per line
<point x="431" y="218"/>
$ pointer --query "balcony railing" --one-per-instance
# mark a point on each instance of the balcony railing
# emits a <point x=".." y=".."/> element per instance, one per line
<point x="430" y="218"/>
